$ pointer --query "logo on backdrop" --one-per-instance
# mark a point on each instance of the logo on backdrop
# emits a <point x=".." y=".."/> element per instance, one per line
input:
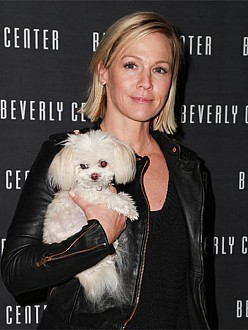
<point x="245" y="46"/>
<point x="96" y="37"/>
<point x="226" y="245"/>
<point x="242" y="180"/>
<point x="227" y="114"/>
<point x="14" y="179"/>
<point x="30" y="38"/>
<point x="23" y="314"/>
<point x="39" y="110"/>
<point x="2" y="244"/>
<point x="195" y="45"/>
<point x="242" y="308"/>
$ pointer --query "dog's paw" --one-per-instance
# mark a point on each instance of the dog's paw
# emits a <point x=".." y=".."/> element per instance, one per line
<point x="133" y="214"/>
<point x="128" y="206"/>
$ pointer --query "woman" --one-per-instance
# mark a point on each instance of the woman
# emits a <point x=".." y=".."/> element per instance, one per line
<point x="132" y="95"/>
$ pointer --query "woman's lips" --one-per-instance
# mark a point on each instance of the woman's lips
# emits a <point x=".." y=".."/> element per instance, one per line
<point x="141" y="99"/>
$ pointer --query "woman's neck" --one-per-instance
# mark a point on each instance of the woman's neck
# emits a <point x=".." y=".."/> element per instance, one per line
<point x="136" y="134"/>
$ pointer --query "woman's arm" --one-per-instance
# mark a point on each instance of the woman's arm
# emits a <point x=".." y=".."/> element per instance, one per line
<point x="27" y="263"/>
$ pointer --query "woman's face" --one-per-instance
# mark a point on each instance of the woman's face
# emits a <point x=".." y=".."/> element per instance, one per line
<point x="138" y="81"/>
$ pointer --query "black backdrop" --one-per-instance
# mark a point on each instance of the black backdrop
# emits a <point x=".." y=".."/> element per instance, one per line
<point x="45" y="48"/>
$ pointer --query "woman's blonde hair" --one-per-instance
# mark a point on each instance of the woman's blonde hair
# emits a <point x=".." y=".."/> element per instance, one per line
<point x="119" y="37"/>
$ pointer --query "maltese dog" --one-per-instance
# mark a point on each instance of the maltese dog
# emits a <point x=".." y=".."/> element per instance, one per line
<point x="88" y="164"/>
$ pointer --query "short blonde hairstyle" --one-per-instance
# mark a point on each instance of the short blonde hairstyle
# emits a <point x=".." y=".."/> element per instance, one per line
<point x="118" y="37"/>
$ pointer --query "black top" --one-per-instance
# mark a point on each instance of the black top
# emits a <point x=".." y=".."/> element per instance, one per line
<point x="163" y="302"/>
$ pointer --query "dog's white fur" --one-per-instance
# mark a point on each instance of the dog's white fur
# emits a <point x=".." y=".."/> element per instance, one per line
<point x="88" y="164"/>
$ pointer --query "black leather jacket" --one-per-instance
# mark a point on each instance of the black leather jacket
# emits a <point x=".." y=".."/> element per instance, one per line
<point x="28" y="264"/>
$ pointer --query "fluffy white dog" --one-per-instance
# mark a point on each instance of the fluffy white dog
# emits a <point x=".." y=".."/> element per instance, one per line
<point x="88" y="164"/>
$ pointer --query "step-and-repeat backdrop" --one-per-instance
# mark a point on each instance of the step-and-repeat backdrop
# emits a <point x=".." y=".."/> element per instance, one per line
<point x="45" y="49"/>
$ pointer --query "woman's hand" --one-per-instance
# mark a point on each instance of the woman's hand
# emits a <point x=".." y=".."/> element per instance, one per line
<point x="112" y="222"/>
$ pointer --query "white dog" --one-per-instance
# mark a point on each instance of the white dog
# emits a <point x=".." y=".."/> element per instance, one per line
<point x="88" y="164"/>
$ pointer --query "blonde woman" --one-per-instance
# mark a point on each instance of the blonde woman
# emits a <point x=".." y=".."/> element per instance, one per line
<point x="132" y="96"/>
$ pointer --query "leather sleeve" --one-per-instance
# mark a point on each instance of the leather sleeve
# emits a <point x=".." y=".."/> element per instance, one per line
<point x="29" y="264"/>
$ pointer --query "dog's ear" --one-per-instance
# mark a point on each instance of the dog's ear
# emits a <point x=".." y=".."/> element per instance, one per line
<point x="61" y="170"/>
<point x="124" y="162"/>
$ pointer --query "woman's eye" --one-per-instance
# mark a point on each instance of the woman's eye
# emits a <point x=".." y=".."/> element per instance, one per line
<point x="160" y="70"/>
<point x="84" y="166"/>
<point x="103" y="163"/>
<point x="130" y="65"/>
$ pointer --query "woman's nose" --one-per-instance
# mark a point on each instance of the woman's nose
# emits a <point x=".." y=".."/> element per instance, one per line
<point x="145" y="80"/>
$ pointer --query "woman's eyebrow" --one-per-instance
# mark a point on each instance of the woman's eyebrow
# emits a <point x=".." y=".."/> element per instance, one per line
<point x="140" y="59"/>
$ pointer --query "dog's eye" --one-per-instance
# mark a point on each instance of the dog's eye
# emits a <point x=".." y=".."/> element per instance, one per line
<point x="103" y="163"/>
<point x="84" y="166"/>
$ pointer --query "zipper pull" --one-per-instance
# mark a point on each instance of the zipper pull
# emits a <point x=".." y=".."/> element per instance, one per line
<point x="43" y="261"/>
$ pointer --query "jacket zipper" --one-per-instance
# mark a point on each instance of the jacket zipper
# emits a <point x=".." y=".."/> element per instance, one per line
<point x="62" y="255"/>
<point x="144" y="254"/>
<point x="201" y="243"/>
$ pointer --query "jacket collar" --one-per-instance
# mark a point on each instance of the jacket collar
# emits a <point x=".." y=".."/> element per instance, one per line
<point x="173" y="149"/>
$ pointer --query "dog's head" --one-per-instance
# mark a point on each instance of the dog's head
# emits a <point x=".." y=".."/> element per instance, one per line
<point x="93" y="159"/>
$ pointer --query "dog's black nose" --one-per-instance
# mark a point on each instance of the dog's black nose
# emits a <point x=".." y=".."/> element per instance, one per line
<point x="94" y="176"/>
